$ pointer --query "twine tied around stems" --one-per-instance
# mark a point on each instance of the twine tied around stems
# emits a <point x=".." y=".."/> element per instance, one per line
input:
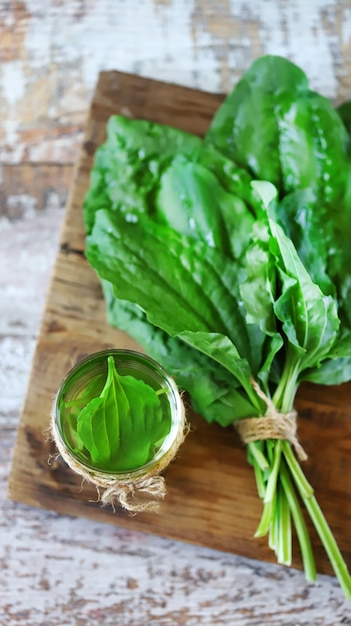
<point x="273" y="425"/>
<point x="135" y="491"/>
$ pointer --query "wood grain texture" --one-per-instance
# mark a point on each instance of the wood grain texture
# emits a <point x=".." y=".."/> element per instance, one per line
<point x="32" y="187"/>
<point x="211" y="493"/>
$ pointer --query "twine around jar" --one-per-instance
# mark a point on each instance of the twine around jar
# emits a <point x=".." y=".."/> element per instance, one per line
<point x="135" y="491"/>
<point x="273" y="425"/>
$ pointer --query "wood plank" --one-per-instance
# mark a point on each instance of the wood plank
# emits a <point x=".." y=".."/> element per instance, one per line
<point x="33" y="187"/>
<point x="211" y="497"/>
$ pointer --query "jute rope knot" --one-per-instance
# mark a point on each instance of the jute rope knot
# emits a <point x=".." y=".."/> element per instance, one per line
<point x="129" y="494"/>
<point x="134" y="491"/>
<point x="273" y="425"/>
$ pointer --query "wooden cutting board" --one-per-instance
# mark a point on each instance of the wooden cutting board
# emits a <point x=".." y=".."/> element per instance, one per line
<point x="211" y="496"/>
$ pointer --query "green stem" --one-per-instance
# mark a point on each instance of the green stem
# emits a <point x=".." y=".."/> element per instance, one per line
<point x="284" y="395"/>
<point x="297" y="474"/>
<point x="266" y="519"/>
<point x="254" y="449"/>
<point x="299" y="523"/>
<point x="280" y="538"/>
<point x="273" y="536"/>
<point x="285" y="538"/>
<point x="269" y="500"/>
<point x="260" y="481"/>
<point x="275" y="517"/>
<point x="273" y="477"/>
<point x="320" y="523"/>
<point x="330" y="545"/>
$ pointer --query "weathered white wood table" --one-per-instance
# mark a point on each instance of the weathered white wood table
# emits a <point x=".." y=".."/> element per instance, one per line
<point x="57" y="570"/>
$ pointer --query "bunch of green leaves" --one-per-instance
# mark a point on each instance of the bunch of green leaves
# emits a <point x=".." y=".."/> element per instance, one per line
<point x="228" y="259"/>
<point x="119" y="427"/>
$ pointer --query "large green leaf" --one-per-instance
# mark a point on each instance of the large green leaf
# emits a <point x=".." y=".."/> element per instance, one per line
<point x="310" y="320"/>
<point x="137" y="166"/>
<point x="121" y="427"/>
<point x="313" y="146"/>
<point x="258" y="293"/>
<point x="246" y="126"/>
<point x="279" y="130"/>
<point x="128" y="165"/>
<point x="303" y="220"/>
<point x="182" y="284"/>
<point x="221" y="349"/>
<point x="258" y="289"/>
<point x="213" y="391"/>
<point x="336" y="368"/>
<point x="191" y="200"/>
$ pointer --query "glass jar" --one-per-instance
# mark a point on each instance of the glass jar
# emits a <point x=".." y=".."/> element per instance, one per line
<point x="88" y="378"/>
